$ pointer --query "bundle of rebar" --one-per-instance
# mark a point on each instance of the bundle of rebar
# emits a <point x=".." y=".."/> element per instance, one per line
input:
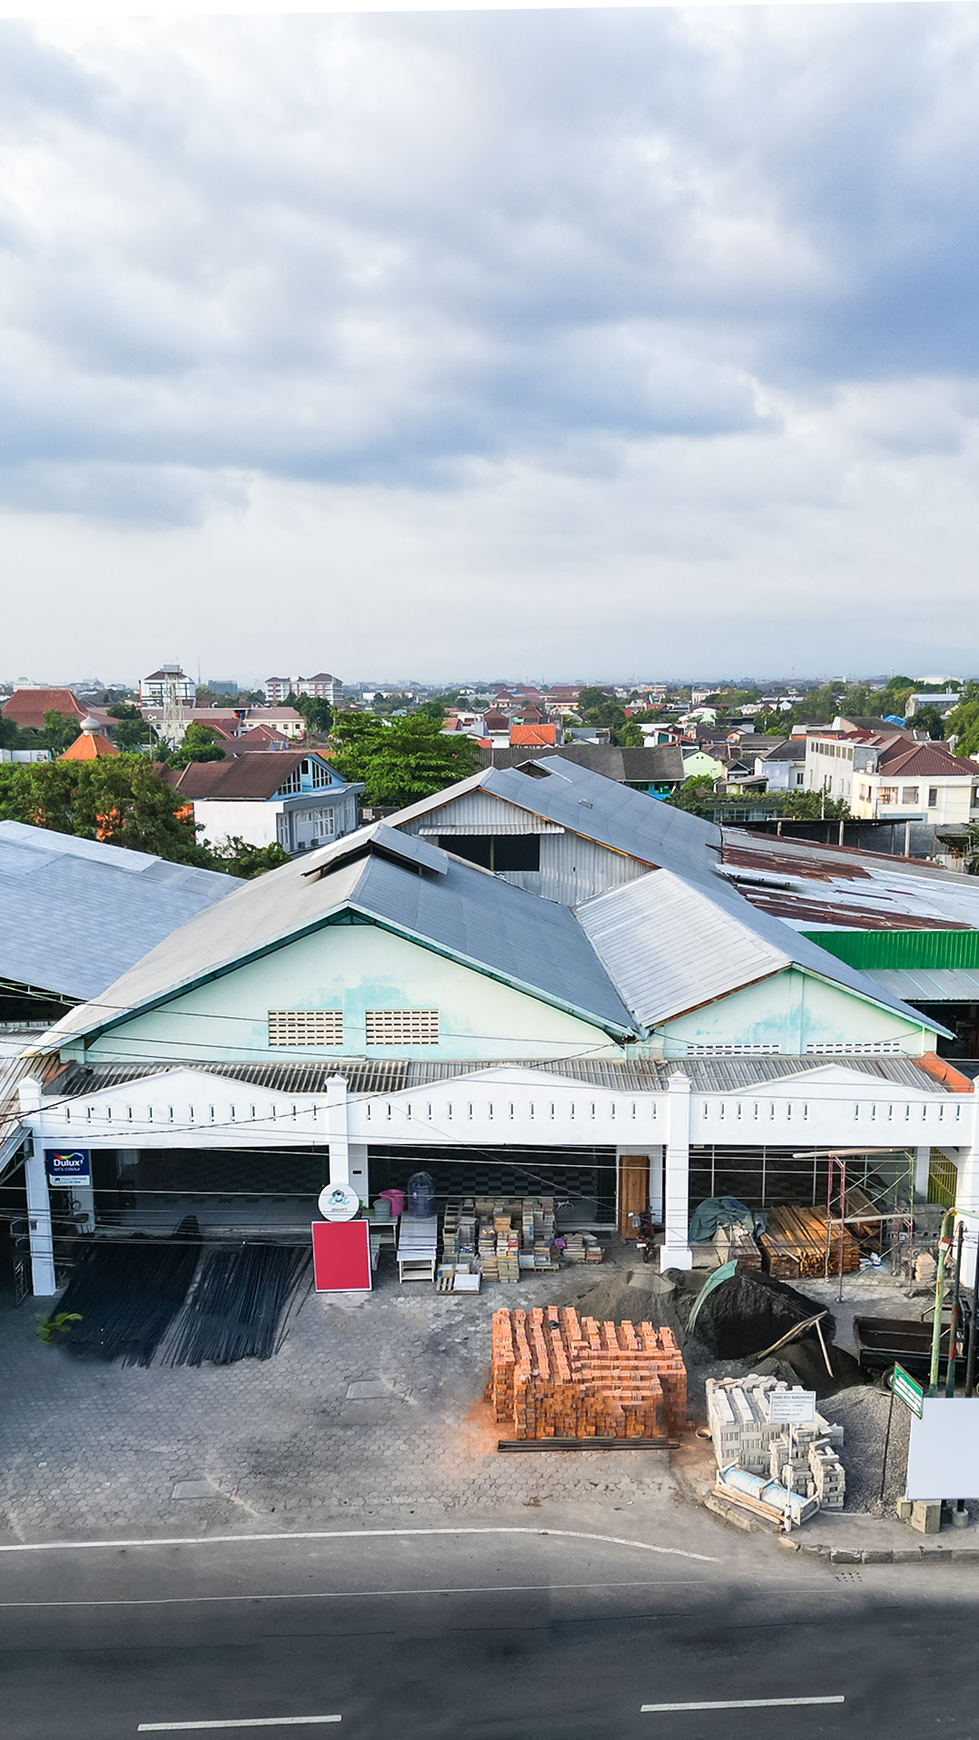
<point x="127" y="1294"/>
<point x="238" y="1307"/>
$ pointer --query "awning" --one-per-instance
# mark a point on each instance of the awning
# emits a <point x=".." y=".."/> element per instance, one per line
<point x="930" y="984"/>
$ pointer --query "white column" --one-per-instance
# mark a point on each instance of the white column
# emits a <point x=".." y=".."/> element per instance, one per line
<point x="922" y="1162"/>
<point x="38" y="1198"/>
<point x="656" y="1181"/>
<point x="967" y="1182"/>
<point x="359" y="1177"/>
<point x="336" y="1127"/>
<point x="675" y="1252"/>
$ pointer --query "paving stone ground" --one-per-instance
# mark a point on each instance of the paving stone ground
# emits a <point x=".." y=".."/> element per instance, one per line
<point x="364" y="1411"/>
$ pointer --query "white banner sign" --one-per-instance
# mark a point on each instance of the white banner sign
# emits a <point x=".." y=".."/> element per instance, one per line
<point x="943" y="1456"/>
<point x="792" y="1407"/>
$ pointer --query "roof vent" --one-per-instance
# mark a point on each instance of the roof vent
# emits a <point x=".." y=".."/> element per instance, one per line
<point x="586" y="803"/>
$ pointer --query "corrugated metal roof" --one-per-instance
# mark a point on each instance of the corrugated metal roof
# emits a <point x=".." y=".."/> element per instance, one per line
<point x="808" y="884"/>
<point x="75" y="913"/>
<point x="930" y="984"/>
<point x="585" y="803"/>
<point x="466" y="913"/>
<point x="670" y="949"/>
<point x="394" y="1075"/>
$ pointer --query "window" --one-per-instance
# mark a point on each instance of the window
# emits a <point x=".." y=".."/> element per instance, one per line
<point x="402" y="1026"/>
<point x="865" y="794"/>
<point x="932" y="797"/>
<point x="498" y="852"/>
<point x="305" y="1027"/>
<point x="909" y="795"/>
<point x="852" y="1047"/>
<point x="888" y="794"/>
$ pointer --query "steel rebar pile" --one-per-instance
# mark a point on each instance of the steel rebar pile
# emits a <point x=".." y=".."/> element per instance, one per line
<point x="128" y="1294"/>
<point x="238" y="1305"/>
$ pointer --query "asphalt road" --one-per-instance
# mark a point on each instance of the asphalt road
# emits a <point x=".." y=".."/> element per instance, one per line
<point x="508" y="1636"/>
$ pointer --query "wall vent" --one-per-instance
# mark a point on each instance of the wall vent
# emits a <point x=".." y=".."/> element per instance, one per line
<point x="305" y="1027"/>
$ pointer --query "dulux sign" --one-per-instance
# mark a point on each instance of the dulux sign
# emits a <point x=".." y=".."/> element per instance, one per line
<point x="69" y="1166"/>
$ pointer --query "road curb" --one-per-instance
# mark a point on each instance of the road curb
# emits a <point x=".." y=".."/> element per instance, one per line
<point x="732" y="1517"/>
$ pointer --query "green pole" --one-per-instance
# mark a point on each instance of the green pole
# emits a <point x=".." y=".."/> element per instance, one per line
<point x="944" y="1245"/>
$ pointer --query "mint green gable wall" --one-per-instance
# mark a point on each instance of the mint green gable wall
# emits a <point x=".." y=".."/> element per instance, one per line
<point x="791" y="1010"/>
<point x="353" y="967"/>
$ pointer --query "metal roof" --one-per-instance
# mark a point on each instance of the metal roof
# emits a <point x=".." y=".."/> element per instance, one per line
<point x="930" y="984"/>
<point x="464" y="912"/>
<point x="807" y="885"/>
<point x="75" y="913"/>
<point x="558" y="790"/>
<point x="395" y="1075"/>
<point x="671" y="947"/>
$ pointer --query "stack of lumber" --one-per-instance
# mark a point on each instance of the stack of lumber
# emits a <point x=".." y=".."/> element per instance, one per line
<point x="556" y="1375"/>
<point x="794" y="1246"/>
<point x="735" y="1244"/>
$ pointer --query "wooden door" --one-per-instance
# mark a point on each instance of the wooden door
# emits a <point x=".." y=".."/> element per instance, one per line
<point x="633" y="1188"/>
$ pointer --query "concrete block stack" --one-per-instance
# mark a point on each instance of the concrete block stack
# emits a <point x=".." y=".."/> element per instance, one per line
<point x="828" y="1475"/>
<point x="738" y="1411"/>
<point x="556" y="1375"/>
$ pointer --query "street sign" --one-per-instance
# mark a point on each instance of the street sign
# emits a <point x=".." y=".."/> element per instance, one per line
<point x="67" y="1166"/>
<point x="907" y="1391"/>
<point x="792" y="1407"/>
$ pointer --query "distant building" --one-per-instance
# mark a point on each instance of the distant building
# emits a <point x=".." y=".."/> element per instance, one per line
<point x="944" y="702"/>
<point x="90" y="744"/>
<point x="322" y="687"/>
<point x="27" y="707"/>
<point x="888" y="777"/>
<point x="222" y="688"/>
<point x="169" y="683"/>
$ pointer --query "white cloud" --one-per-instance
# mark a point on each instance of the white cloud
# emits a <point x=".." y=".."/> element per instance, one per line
<point x="605" y="342"/>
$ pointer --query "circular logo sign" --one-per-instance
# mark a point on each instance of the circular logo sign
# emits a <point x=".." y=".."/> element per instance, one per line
<point x="338" y="1202"/>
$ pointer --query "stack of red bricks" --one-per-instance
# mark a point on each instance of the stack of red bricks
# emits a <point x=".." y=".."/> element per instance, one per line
<point x="556" y="1375"/>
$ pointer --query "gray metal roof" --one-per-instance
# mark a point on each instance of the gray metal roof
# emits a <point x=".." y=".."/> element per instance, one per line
<point x="75" y="913"/>
<point x="477" y="919"/>
<point x="671" y="946"/>
<point x="395" y="1075"/>
<point x="930" y="985"/>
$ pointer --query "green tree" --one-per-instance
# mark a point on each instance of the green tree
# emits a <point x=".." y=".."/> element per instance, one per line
<point x="693" y="795"/>
<point x="119" y="799"/>
<point x="814" y="806"/>
<point x="317" y="713"/>
<point x="60" y="731"/>
<point x="929" y="719"/>
<point x="132" y="731"/>
<point x="201" y="743"/>
<point x="240" y="858"/>
<point x="401" y="762"/>
<point x="963" y="724"/>
<point x="430" y="710"/>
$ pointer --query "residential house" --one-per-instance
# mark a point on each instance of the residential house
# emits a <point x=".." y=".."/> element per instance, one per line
<point x="656" y="771"/>
<point x="292" y="797"/>
<point x="231" y="721"/>
<point x="886" y="776"/>
<point x="783" y="766"/>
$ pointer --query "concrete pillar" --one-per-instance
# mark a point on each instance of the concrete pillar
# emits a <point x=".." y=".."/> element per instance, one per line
<point x="675" y="1252"/>
<point x="359" y="1174"/>
<point x="656" y="1181"/>
<point x="967" y="1182"/>
<point x="336" y="1126"/>
<point x="922" y="1162"/>
<point x="38" y="1198"/>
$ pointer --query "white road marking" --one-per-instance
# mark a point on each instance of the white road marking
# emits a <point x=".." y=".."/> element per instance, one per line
<point x="358" y="1594"/>
<point x="240" y="1722"/>
<point x="349" y="1535"/>
<point x="739" y="1704"/>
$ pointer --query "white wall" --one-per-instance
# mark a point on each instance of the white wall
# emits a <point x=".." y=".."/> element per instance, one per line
<point x="254" y="822"/>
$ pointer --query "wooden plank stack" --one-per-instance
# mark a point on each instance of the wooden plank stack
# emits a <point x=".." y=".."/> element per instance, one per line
<point x="794" y="1245"/>
<point x="735" y="1244"/>
<point x="556" y="1375"/>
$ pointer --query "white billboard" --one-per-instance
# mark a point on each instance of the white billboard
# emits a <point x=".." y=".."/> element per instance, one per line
<point x="943" y="1456"/>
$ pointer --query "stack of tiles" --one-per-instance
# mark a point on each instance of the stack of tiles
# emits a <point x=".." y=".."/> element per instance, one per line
<point x="556" y="1375"/>
<point x="829" y="1479"/>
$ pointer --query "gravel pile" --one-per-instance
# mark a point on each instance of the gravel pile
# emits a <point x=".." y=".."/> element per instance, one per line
<point x="862" y="1413"/>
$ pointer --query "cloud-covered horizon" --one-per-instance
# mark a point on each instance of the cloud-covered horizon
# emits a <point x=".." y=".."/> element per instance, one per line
<point x="652" y="336"/>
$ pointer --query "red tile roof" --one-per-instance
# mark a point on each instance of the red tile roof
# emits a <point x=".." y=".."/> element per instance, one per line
<point x="89" y="746"/>
<point x="27" y="707"/>
<point x="926" y="761"/>
<point x="533" y="734"/>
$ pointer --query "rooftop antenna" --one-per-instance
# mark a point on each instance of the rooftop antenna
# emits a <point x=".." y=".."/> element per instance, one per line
<point x="172" y="720"/>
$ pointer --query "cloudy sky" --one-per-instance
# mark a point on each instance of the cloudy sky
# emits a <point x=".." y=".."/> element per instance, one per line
<point x="559" y="343"/>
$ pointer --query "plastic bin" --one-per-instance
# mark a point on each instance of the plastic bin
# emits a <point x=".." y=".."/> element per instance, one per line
<point x="421" y="1196"/>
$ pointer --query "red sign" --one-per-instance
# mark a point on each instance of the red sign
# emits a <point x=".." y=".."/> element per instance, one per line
<point x="341" y="1256"/>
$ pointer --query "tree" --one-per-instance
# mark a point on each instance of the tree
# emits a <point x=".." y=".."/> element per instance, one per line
<point x="240" y="858"/>
<point x="964" y="725"/>
<point x="815" y="806"/>
<point x="132" y="731"/>
<point x="60" y="731"/>
<point x="401" y="762"/>
<point x="929" y="719"/>
<point x="430" y="710"/>
<point x="201" y="743"/>
<point x="317" y="714"/>
<point x="693" y="795"/>
<point x="119" y="799"/>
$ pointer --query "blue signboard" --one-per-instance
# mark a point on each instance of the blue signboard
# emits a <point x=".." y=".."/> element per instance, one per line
<point x="69" y="1166"/>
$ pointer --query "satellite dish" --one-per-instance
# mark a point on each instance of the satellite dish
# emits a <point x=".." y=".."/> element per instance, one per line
<point x="338" y="1202"/>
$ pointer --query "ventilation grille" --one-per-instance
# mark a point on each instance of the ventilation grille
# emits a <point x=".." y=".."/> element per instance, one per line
<point x="305" y="1027"/>
<point x="402" y="1026"/>
<point x="733" y="1050"/>
<point x="852" y="1047"/>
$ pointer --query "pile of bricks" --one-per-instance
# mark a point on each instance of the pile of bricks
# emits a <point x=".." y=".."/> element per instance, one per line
<point x="738" y="1412"/>
<point x="556" y="1375"/>
<point x="828" y="1476"/>
<point x="501" y="1235"/>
